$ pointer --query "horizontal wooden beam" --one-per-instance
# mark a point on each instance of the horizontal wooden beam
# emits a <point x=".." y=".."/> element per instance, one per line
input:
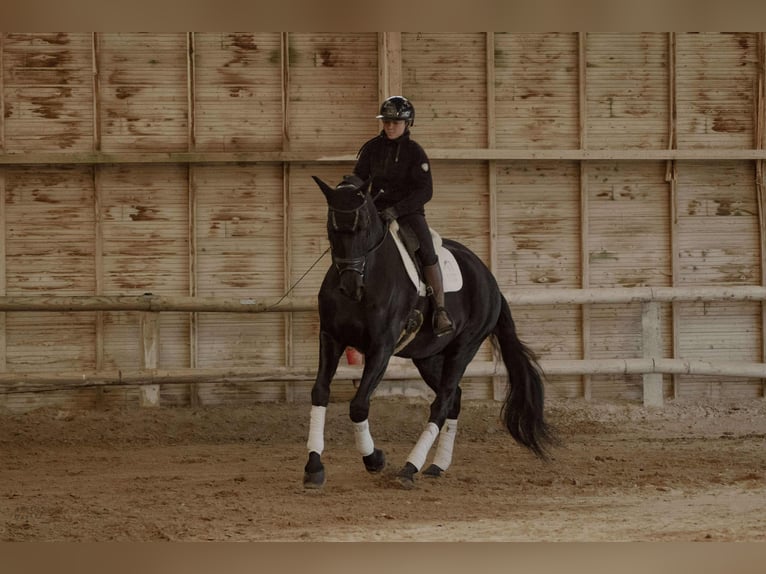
<point x="516" y="297"/>
<point x="621" y="295"/>
<point x="37" y="158"/>
<point x="57" y="381"/>
<point x="479" y="154"/>
<point x="155" y="303"/>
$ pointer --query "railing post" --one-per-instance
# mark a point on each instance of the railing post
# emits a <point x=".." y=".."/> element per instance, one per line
<point x="651" y="343"/>
<point x="150" y="355"/>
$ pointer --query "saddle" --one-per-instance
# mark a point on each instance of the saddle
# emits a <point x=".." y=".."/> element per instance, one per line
<point x="407" y="244"/>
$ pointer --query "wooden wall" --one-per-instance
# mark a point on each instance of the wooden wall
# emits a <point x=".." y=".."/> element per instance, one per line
<point x="180" y="164"/>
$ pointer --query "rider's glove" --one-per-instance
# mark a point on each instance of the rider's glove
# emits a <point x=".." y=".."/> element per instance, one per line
<point x="389" y="214"/>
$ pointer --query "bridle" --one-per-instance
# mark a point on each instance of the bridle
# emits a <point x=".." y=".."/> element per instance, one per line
<point x="354" y="264"/>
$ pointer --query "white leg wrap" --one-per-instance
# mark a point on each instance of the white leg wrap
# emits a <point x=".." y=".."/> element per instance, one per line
<point x="443" y="456"/>
<point x="316" y="429"/>
<point x="427" y="438"/>
<point x="363" y="438"/>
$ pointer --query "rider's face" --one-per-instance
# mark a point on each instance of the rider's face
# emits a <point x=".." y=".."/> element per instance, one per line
<point x="394" y="128"/>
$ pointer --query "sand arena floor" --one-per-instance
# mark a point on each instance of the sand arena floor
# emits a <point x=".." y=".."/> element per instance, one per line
<point x="688" y="472"/>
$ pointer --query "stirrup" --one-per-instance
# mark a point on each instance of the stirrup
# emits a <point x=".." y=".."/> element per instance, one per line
<point x="447" y="328"/>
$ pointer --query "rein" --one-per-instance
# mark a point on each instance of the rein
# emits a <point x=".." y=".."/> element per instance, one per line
<point x="283" y="297"/>
<point x="356" y="264"/>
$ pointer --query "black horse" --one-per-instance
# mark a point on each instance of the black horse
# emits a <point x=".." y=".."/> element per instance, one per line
<point x="368" y="302"/>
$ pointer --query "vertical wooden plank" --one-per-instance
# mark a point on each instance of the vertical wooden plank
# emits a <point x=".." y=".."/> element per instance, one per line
<point x="2" y="203"/>
<point x="627" y="105"/>
<point x="194" y="396"/>
<point x="287" y="218"/>
<point x="98" y="266"/>
<point x="498" y="383"/>
<point x="285" y="92"/>
<point x="98" y="254"/>
<point x="285" y="55"/>
<point x="582" y="71"/>
<point x="536" y="103"/>
<point x="143" y="103"/>
<point x="389" y="64"/>
<point x="150" y="355"/>
<point x="651" y="342"/>
<point x="2" y="92"/>
<point x="671" y="176"/>
<point x="394" y="54"/>
<point x="716" y="78"/>
<point x="96" y="92"/>
<point x="491" y="131"/>
<point x="3" y="362"/>
<point x="584" y="223"/>
<point x="190" y="91"/>
<point x="675" y="258"/>
<point x="760" y="181"/>
<point x="382" y="66"/>
<point x="98" y="235"/>
<point x="672" y="101"/>
<point x="236" y="87"/>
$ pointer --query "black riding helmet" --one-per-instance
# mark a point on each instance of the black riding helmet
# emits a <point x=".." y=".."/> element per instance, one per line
<point x="397" y="108"/>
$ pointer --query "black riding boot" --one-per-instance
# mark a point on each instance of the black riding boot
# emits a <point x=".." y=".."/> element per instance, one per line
<point x="441" y="320"/>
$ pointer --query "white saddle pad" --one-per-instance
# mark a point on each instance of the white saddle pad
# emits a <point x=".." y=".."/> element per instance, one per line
<point x="451" y="276"/>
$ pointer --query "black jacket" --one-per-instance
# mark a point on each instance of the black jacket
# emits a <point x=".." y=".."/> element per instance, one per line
<point x="400" y="168"/>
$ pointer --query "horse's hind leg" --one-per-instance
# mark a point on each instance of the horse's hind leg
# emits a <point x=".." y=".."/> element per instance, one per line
<point x="443" y="456"/>
<point x="443" y="375"/>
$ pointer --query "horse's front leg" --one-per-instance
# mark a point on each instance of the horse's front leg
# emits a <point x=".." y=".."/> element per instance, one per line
<point x="374" y="368"/>
<point x="330" y="351"/>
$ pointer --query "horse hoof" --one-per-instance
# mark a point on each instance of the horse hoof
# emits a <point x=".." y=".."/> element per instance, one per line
<point x="406" y="476"/>
<point x="375" y="462"/>
<point x="405" y="481"/>
<point x="433" y="471"/>
<point x="313" y="480"/>
<point x="313" y="472"/>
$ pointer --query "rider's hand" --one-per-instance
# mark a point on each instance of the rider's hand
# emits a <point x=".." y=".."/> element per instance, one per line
<point x="389" y="214"/>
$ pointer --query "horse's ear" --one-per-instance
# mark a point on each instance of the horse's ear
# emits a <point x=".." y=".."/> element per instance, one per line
<point x="326" y="189"/>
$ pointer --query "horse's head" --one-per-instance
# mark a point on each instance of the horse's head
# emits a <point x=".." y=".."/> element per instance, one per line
<point x="354" y="230"/>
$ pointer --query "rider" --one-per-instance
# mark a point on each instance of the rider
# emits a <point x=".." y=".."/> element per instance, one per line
<point x="402" y="184"/>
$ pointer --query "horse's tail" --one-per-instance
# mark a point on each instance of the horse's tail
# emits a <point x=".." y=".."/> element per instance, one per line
<point x="522" y="411"/>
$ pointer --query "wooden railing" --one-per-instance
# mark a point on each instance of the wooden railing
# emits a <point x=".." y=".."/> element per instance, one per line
<point x="149" y="377"/>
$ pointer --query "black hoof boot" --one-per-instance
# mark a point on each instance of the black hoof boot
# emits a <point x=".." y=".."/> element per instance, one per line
<point x="313" y="473"/>
<point x="375" y="462"/>
<point x="406" y="476"/>
<point x="433" y="471"/>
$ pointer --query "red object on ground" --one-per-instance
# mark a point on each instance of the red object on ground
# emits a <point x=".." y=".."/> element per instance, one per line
<point x="354" y="357"/>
